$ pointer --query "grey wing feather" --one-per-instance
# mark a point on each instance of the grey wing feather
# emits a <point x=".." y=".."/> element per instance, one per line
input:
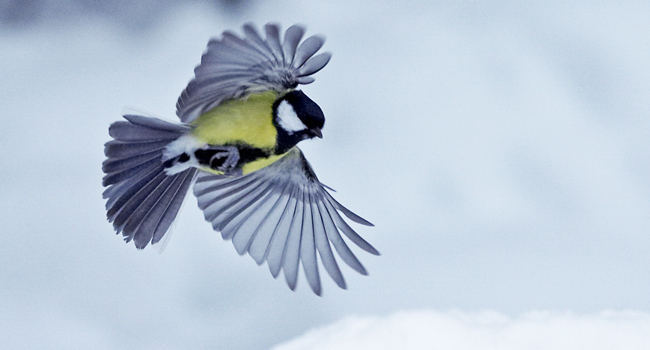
<point x="233" y="67"/>
<point x="292" y="38"/>
<point x="242" y="228"/>
<point x="291" y="254"/>
<point x="308" y="247"/>
<point x="273" y="39"/>
<point x="339" y="244"/>
<point x="349" y="232"/>
<point x="305" y="80"/>
<point x="264" y="233"/>
<point x="317" y="63"/>
<point x="324" y="249"/>
<point x="352" y="216"/>
<point x="283" y="215"/>
<point x="275" y="250"/>
<point x="307" y="49"/>
<point x="256" y="40"/>
<point x="254" y="220"/>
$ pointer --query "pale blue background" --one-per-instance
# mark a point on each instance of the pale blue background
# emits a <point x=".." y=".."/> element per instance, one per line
<point x="501" y="148"/>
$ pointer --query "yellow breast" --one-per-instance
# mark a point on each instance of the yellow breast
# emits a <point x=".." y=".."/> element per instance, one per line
<point x="247" y="120"/>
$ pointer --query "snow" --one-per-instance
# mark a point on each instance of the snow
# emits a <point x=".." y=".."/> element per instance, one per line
<point x="456" y="330"/>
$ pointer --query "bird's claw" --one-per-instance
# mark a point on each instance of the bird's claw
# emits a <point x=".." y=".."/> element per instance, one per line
<point x="225" y="159"/>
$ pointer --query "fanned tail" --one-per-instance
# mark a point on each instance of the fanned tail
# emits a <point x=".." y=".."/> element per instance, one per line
<point x="142" y="200"/>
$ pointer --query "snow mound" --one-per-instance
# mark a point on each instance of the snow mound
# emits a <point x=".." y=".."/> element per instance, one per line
<point x="483" y="330"/>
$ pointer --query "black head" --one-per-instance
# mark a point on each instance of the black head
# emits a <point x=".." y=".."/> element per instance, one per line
<point x="296" y="117"/>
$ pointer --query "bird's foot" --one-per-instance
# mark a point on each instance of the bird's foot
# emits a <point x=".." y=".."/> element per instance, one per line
<point x="224" y="159"/>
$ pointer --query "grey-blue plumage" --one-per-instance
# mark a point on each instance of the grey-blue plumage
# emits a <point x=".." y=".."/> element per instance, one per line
<point x="142" y="200"/>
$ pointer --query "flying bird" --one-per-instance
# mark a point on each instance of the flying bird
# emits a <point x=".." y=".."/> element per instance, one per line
<point x="241" y="118"/>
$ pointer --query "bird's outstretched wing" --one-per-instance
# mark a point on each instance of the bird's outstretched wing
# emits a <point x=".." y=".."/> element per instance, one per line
<point x="232" y="67"/>
<point x="283" y="215"/>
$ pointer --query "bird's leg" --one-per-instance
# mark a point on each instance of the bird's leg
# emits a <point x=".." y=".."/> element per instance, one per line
<point x="220" y="158"/>
<point x="225" y="158"/>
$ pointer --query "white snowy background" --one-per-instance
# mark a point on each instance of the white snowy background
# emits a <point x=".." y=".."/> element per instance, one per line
<point x="501" y="148"/>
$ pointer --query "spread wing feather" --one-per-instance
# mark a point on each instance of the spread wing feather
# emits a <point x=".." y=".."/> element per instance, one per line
<point x="283" y="215"/>
<point x="234" y="66"/>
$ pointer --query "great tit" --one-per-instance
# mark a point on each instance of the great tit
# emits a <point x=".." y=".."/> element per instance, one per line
<point x="241" y="119"/>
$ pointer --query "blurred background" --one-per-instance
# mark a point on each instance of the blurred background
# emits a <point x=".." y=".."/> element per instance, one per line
<point x="501" y="148"/>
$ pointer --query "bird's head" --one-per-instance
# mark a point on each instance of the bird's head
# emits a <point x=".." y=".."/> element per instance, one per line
<point x="296" y="117"/>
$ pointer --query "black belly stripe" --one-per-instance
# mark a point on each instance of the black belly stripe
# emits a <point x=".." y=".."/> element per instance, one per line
<point x="203" y="155"/>
<point x="247" y="154"/>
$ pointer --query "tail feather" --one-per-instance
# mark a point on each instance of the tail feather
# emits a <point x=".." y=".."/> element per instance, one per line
<point x="172" y="208"/>
<point x="138" y="217"/>
<point x="126" y="131"/>
<point x="113" y="165"/>
<point x="120" y="149"/>
<point x="154" y="123"/>
<point x="130" y="173"/>
<point x="134" y="205"/>
<point x="142" y="200"/>
<point x="121" y="192"/>
<point x="168" y="206"/>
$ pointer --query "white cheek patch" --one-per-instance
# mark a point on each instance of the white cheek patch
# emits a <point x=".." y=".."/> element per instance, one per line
<point x="288" y="119"/>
